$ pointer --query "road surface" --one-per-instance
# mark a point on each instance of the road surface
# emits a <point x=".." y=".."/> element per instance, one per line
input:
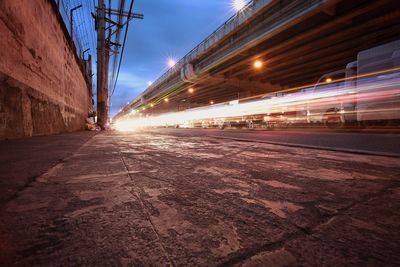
<point x="158" y="199"/>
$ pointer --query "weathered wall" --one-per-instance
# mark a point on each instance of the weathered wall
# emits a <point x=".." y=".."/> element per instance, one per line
<point x="42" y="88"/>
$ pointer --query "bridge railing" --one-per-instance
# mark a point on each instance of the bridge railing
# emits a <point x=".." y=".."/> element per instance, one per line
<point x="237" y="19"/>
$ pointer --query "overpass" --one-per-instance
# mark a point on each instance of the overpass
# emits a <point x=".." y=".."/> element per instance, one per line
<point x="296" y="42"/>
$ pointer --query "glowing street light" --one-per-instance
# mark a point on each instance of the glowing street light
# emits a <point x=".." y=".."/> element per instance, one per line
<point x="191" y="90"/>
<point x="258" y="64"/>
<point x="238" y="5"/>
<point x="171" y="62"/>
<point x="211" y="102"/>
<point x="166" y="100"/>
<point x="328" y="80"/>
<point x="152" y="105"/>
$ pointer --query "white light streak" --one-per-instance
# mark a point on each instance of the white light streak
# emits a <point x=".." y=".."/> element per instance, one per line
<point x="293" y="107"/>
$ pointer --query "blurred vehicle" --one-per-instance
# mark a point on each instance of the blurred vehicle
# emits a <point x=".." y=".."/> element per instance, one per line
<point x="368" y="90"/>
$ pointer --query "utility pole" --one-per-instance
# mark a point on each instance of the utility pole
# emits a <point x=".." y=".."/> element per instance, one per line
<point x="102" y="90"/>
<point x="105" y="46"/>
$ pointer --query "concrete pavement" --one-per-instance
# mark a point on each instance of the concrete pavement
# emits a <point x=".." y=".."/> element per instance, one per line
<point x="23" y="160"/>
<point x="148" y="199"/>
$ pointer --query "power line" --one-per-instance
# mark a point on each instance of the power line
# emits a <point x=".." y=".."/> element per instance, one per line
<point x="117" y="39"/>
<point x="123" y="47"/>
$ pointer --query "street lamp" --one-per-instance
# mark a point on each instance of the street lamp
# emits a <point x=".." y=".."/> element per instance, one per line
<point x="211" y="102"/>
<point x="83" y="53"/>
<point x="258" y="64"/>
<point x="171" y="62"/>
<point x="191" y="90"/>
<point x="71" y="13"/>
<point x="238" y="4"/>
<point x="328" y="80"/>
<point x="166" y="99"/>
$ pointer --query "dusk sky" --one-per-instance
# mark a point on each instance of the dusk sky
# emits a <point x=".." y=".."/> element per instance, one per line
<point x="171" y="28"/>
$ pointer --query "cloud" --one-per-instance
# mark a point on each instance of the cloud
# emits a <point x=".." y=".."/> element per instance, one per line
<point x="128" y="79"/>
<point x="129" y="86"/>
<point x="170" y="27"/>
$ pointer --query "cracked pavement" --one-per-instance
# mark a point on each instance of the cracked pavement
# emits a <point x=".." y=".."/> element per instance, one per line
<point x="154" y="199"/>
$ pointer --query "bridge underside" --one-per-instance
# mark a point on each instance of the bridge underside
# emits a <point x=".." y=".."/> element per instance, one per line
<point x="321" y="42"/>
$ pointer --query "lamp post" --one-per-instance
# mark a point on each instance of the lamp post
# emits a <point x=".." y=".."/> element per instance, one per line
<point x="71" y="13"/>
<point x="83" y="53"/>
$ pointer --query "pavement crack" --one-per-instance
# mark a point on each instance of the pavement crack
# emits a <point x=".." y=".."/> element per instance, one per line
<point x="369" y="197"/>
<point x="28" y="183"/>
<point x="153" y="227"/>
<point x="302" y="231"/>
<point x="245" y="255"/>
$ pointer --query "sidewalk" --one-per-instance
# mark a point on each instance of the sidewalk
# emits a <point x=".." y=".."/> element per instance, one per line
<point x="162" y="200"/>
<point x="22" y="161"/>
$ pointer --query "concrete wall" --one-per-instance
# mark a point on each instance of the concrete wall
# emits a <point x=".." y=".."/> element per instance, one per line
<point x="42" y="87"/>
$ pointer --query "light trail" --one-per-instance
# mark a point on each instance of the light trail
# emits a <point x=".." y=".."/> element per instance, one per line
<point x="177" y="91"/>
<point x="377" y="95"/>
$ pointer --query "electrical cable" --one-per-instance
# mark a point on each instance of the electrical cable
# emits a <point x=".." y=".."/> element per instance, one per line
<point x="123" y="47"/>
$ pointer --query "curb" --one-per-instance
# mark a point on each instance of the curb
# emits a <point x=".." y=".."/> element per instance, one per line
<point x="345" y="150"/>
